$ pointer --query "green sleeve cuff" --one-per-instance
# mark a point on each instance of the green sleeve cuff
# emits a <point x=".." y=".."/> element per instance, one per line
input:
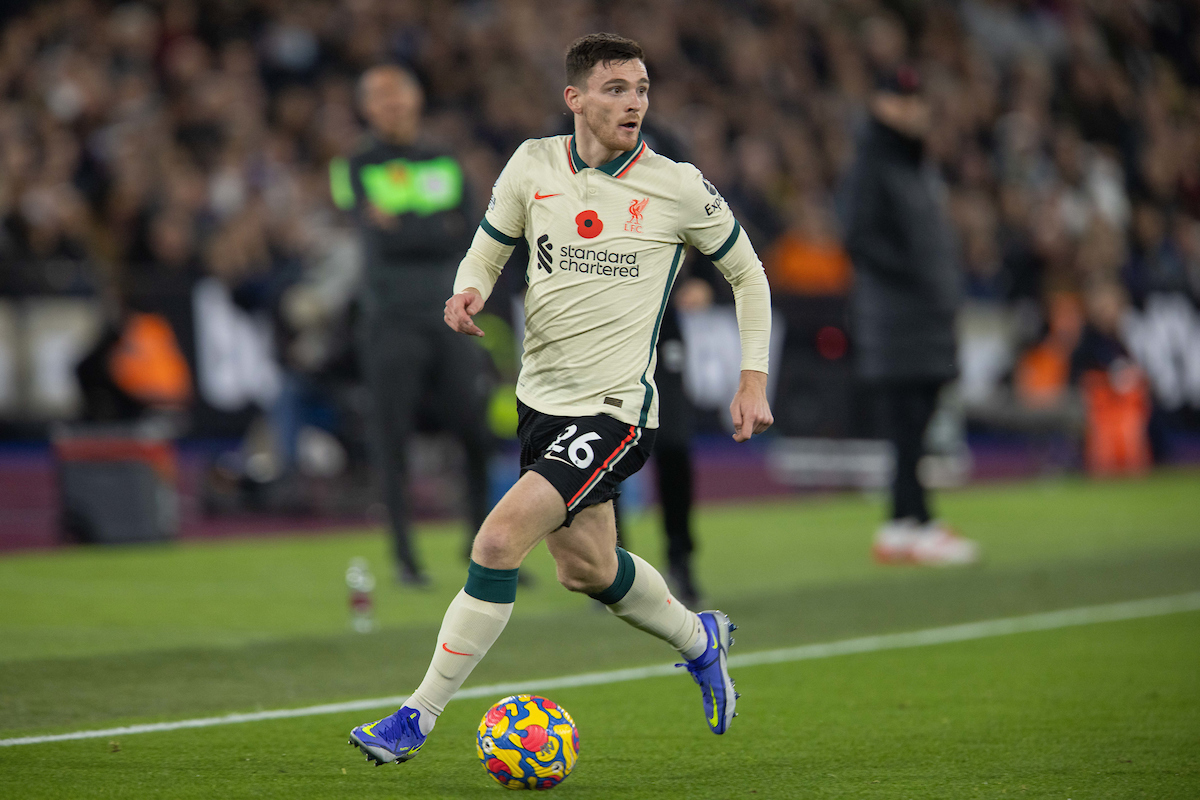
<point x="491" y="231"/>
<point x="339" y="184"/>
<point x="725" y="248"/>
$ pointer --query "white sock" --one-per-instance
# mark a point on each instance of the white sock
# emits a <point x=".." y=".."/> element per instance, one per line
<point x="469" y="629"/>
<point x="649" y="606"/>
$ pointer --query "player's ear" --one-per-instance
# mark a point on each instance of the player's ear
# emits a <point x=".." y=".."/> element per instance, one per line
<point x="572" y="96"/>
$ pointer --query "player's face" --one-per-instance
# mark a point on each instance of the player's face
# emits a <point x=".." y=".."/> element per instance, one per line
<point x="615" y="101"/>
<point x="391" y="102"/>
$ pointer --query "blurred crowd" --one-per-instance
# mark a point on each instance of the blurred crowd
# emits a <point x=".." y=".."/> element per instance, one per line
<point x="159" y="142"/>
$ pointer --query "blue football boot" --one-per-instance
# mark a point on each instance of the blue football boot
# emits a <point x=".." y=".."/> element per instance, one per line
<point x="392" y="739"/>
<point x="712" y="673"/>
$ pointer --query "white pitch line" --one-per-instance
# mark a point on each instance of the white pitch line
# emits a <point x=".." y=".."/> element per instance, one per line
<point x="1049" y="620"/>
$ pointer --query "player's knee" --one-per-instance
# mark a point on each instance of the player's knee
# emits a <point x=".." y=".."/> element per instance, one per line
<point x="576" y="583"/>
<point x="493" y="547"/>
<point x="578" y="576"/>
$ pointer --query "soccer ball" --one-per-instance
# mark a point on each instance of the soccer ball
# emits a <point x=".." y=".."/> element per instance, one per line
<point x="527" y="742"/>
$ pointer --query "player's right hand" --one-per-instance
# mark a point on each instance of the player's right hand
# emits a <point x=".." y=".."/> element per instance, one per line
<point x="459" y="310"/>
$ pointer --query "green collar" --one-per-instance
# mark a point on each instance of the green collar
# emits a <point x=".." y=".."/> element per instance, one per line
<point x="617" y="167"/>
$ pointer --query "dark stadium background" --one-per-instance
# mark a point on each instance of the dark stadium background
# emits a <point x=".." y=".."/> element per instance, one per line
<point x="171" y="158"/>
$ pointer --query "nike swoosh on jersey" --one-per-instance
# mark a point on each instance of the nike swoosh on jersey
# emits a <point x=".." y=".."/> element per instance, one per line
<point x="455" y="652"/>
<point x="538" y="196"/>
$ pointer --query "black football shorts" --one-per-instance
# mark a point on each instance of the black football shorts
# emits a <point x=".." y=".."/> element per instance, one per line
<point x="584" y="458"/>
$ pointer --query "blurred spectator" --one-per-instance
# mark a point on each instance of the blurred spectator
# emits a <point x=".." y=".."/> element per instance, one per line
<point x="906" y="293"/>
<point x="1116" y="394"/>
<point x="1100" y="346"/>
<point x="1042" y="376"/>
<point x="807" y="258"/>
<point x="811" y="276"/>
<point x="134" y="368"/>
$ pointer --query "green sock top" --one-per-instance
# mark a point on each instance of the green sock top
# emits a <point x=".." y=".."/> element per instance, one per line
<point x="624" y="580"/>
<point x="491" y="585"/>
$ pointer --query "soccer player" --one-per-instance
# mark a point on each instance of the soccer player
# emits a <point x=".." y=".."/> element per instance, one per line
<point x="607" y="221"/>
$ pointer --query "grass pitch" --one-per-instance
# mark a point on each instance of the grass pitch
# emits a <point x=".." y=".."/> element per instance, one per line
<point x="92" y="639"/>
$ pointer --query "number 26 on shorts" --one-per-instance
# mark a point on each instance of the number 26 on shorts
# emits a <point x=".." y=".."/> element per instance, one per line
<point x="578" y="451"/>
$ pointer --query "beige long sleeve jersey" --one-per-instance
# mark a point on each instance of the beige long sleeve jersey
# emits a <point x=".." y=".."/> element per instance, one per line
<point x="605" y="247"/>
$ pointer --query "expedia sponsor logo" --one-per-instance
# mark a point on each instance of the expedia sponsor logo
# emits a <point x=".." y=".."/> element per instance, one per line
<point x="597" y="262"/>
<point x="718" y="202"/>
<point x="544" y="250"/>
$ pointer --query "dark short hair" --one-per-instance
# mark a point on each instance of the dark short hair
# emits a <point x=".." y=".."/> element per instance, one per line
<point x="360" y="89"/>
<point x="599" y="48"/>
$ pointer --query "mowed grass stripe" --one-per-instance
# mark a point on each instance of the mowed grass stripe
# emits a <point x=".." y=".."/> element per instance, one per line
<point x="1050" y="620"/>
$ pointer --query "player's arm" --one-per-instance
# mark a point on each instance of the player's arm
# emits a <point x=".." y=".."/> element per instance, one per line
<point x="501" y="228"/>
<point x="709" y="225"/>
<point x="752" y="299"/>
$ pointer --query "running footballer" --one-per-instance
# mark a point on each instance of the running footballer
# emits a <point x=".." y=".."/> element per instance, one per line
<point x="607" y="222"/>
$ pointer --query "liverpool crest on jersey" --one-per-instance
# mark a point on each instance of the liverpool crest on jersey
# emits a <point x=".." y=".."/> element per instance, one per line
<point x="636" y="209"/>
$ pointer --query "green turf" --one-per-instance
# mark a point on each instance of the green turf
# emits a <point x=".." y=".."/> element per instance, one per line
<point x="58" y="694"/>
<point x="100" y="637"/>
<point x="1103" y="711"/>
<point x="214" y="594"/>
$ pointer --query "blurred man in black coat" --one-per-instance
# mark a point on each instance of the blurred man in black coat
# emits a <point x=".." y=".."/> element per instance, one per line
<point x="905" y="297"/>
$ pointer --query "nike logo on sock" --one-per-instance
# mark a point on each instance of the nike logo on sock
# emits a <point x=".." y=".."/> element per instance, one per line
<point x="539" y="196"/>
<point x="455" y="652"/>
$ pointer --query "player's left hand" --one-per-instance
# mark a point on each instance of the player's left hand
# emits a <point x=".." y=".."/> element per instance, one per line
<point x="750" y="411"/>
